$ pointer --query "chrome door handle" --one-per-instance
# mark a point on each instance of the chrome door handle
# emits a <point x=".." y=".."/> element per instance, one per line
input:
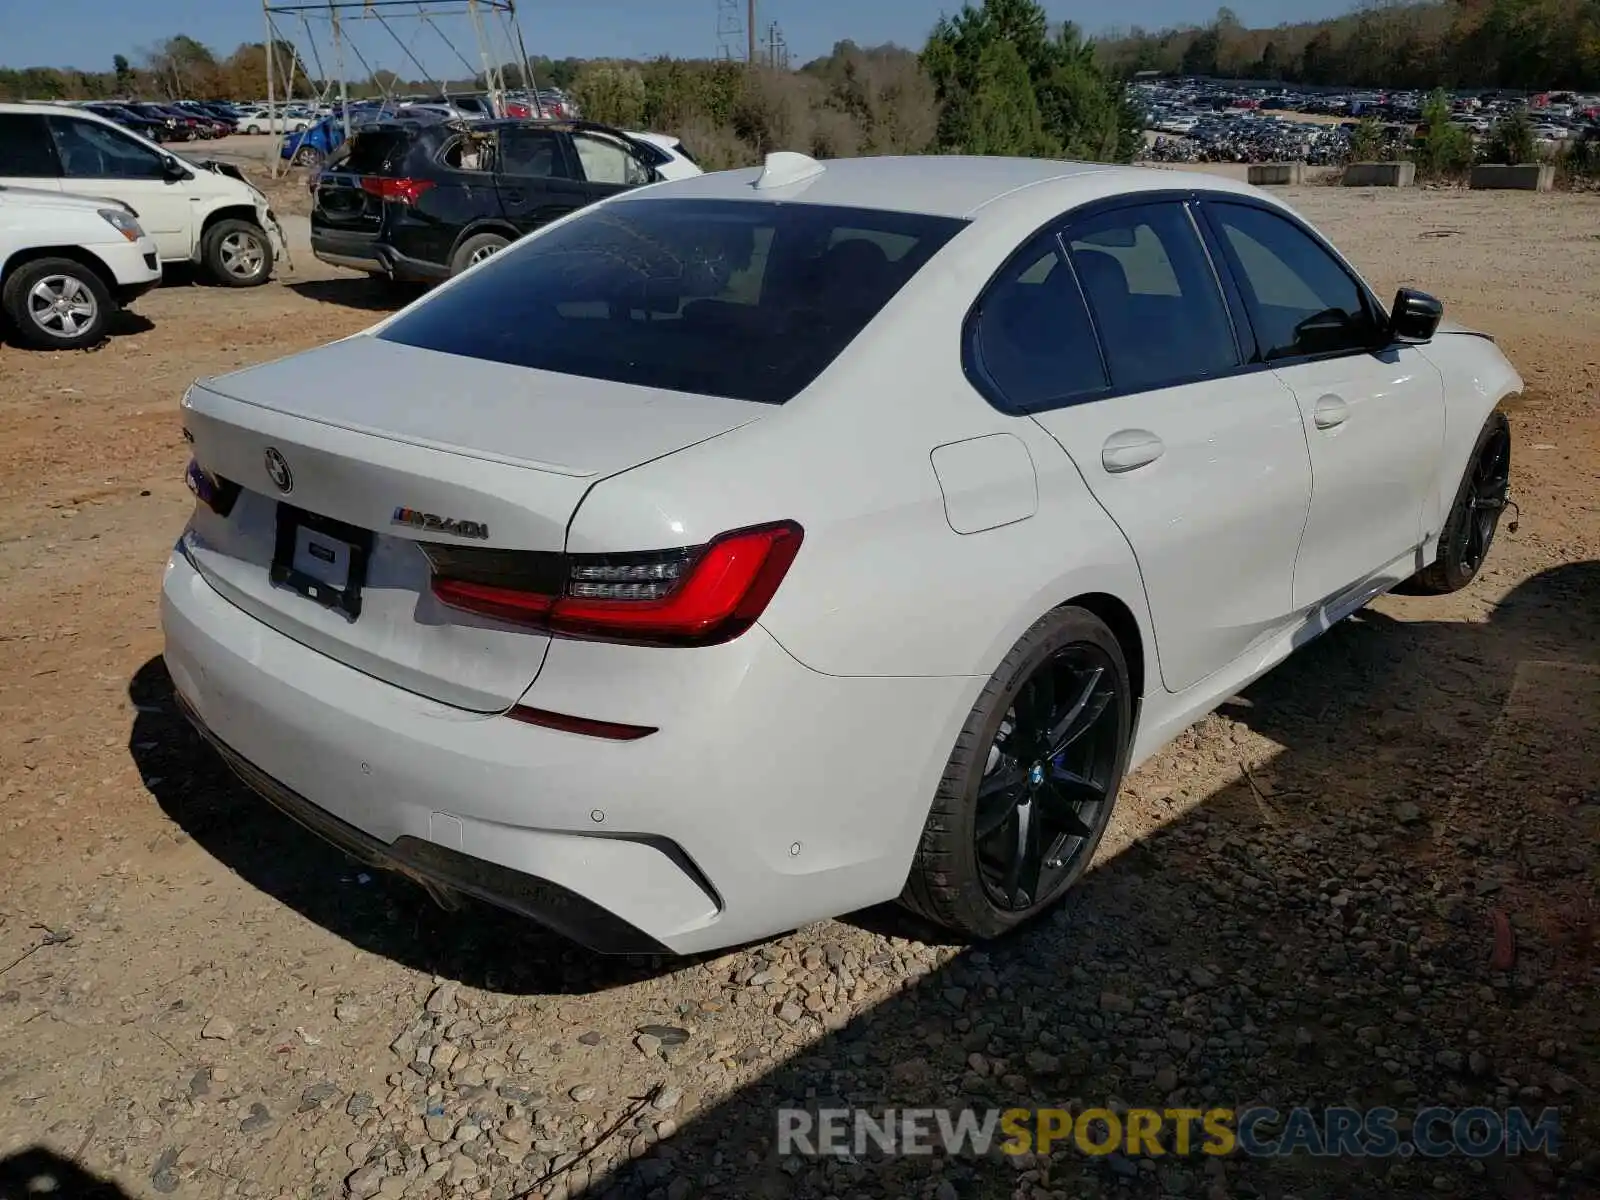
<point x="1329" y="412"/>
<point x="1129" y="449"/>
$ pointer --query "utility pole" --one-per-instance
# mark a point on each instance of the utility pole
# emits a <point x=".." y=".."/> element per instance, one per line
<point x="750" y="29"/>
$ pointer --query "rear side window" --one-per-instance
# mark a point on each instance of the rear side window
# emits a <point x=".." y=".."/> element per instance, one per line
<point x="1033" y="338"/>
<point x="745" y="299"/>
<point x="25" y="149"/>
<point x="1154" y="296"/>
<point x="532" y="154"/>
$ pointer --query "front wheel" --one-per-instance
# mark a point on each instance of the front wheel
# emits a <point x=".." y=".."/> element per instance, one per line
<point x="57" y="304"/>
<point x="1028" y="790"/>
<point x="237" y="253"/>
<point x="308" y="156"/>
<point x="1470" y="526"/>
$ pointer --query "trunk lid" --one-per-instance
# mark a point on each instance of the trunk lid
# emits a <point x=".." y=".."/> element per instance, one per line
<point x="370" y="436"/>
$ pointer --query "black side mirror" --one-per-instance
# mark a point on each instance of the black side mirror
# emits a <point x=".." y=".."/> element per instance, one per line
<point x="1414" y="317"/>
<point x="172" y="170"/>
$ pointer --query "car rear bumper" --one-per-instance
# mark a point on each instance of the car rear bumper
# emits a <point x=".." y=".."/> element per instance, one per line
<point x="363" y="252"/>
<point x="771" y="797"/>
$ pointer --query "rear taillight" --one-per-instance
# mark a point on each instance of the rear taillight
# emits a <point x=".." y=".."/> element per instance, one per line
<point x="407" y="191"/>
<point x="216" y="493"/>
<point x="696" y="596"/>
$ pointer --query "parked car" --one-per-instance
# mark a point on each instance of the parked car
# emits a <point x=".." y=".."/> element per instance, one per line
<point x="761" y="546"/>
<point x="666" y="154"/>
<point x="177" y="127"/>
<point x="67" y="263"/>
<point x="419" y="202"/>
<point x="147" y="127"/>
<point x="200" y="212"/>
<point x="316" y="142"/>
<point x="263" y="120"/>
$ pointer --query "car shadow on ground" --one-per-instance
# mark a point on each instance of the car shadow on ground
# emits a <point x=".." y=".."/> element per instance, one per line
<point x="39" y="1172"/>
<point x="122" y="323"/>
<point x="365" y="292"/>
<point x="1297" y="938"/>
<point x="1316" y="932"/>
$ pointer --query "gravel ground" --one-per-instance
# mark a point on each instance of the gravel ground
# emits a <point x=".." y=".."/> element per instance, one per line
<point x="1369" y="880"/>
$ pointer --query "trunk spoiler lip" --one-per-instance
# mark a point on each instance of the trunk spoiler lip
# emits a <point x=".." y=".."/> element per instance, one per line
<point x="389" y="435"/>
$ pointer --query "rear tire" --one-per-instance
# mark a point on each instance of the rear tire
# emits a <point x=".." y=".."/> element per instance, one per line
<point x="1010" y="788"/>
<point x="237" y="253"/>
<point x="308" y="156"/>
<point x="475" y="249"/>
<point x="57" y="304"/>
<point x="1474" y="516"/>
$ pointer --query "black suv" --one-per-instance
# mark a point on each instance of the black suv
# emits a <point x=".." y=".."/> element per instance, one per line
<point x="418" y="201"/>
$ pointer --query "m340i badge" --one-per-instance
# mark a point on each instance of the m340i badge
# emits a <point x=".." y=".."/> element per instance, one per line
<point x="434" y="523"/>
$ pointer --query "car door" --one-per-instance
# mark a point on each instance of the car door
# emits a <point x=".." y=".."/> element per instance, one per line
<point x="27" y="155"/>
<point x="536" y="177"/>
<point x="100" y="160"/>
<point x="609" y="164"/>
<point x="1373" y="412"/>
<point x="1201" y="463"/>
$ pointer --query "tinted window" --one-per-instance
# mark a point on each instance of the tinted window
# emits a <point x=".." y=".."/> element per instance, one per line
<point x="1033" y="336"/>
<point x="735" y="298"/>
<point x="606" y="160"/>
<point x="1154" y="296"/>
<point x="1301" y="300"/>
<point x="373" y="151"/>
<point x="534" y="153"/>
<point x="25" y="151"/>
<point x="92" y="151"/>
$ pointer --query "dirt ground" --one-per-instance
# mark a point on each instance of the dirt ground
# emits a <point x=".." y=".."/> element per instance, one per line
<point x="1298" y="903"/>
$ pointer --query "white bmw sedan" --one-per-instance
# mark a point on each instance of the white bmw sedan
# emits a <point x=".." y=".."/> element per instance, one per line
<point x="755" y="547"/>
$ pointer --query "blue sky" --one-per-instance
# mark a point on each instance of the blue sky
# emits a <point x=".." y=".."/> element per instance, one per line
<point x="86" y="33"/>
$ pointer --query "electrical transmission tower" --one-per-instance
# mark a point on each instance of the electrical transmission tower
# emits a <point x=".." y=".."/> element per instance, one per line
<point x="731" y="29"/>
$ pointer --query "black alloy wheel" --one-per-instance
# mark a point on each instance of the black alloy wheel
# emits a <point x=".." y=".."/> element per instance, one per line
<point x="1045" y="786"/>
<point x="1029" y="788"/>
<point x="1486" y="500"/>
<point x="1474" y="517"/>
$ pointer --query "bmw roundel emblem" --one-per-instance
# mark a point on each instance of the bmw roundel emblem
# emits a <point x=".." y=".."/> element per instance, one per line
<point x="278" y="470"/>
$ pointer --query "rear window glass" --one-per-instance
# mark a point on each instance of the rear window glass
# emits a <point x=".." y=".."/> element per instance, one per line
<point x="745" y="299"/>
<point x="376" y="150"/>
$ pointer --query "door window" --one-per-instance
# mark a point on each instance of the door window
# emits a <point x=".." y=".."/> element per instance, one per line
<point x="92" y="151"/>
<point x="1301" y="299"/>
<point x="532" y="153"/>
<point x="606" y="160"/>
<point x="25" y="150"/>
<point x="1154" y="296"/>
<point x="1033" y="335"/>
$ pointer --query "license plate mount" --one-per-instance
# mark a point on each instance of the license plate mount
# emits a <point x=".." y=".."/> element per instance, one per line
<point x="322" y="559"/>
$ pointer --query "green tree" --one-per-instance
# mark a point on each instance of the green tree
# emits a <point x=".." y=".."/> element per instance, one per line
<point x="1367" y="142"/>
<point x="124" y="73"/>
<point x="995" y="69"/>
<point x="1442" y="148"/>
<point x="1511" y="140"/>
<point x="611" y="93"/>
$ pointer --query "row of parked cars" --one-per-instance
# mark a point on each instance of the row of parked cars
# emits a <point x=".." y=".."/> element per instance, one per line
<point x="1208" y="120"/>
<point x="91" y="212"/>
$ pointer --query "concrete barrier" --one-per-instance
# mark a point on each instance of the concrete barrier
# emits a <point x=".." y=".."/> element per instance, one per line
<point x="1279" y="174"/>
<point x="1524" y="177"/>
<point x="1380" y="174"/>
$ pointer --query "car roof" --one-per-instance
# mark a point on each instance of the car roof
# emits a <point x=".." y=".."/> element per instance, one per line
<point x="944" y="185"/>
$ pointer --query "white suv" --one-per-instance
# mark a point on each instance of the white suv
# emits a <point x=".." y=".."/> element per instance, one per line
<point x="201" y="213"/>
<point x="67" y="263"/>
